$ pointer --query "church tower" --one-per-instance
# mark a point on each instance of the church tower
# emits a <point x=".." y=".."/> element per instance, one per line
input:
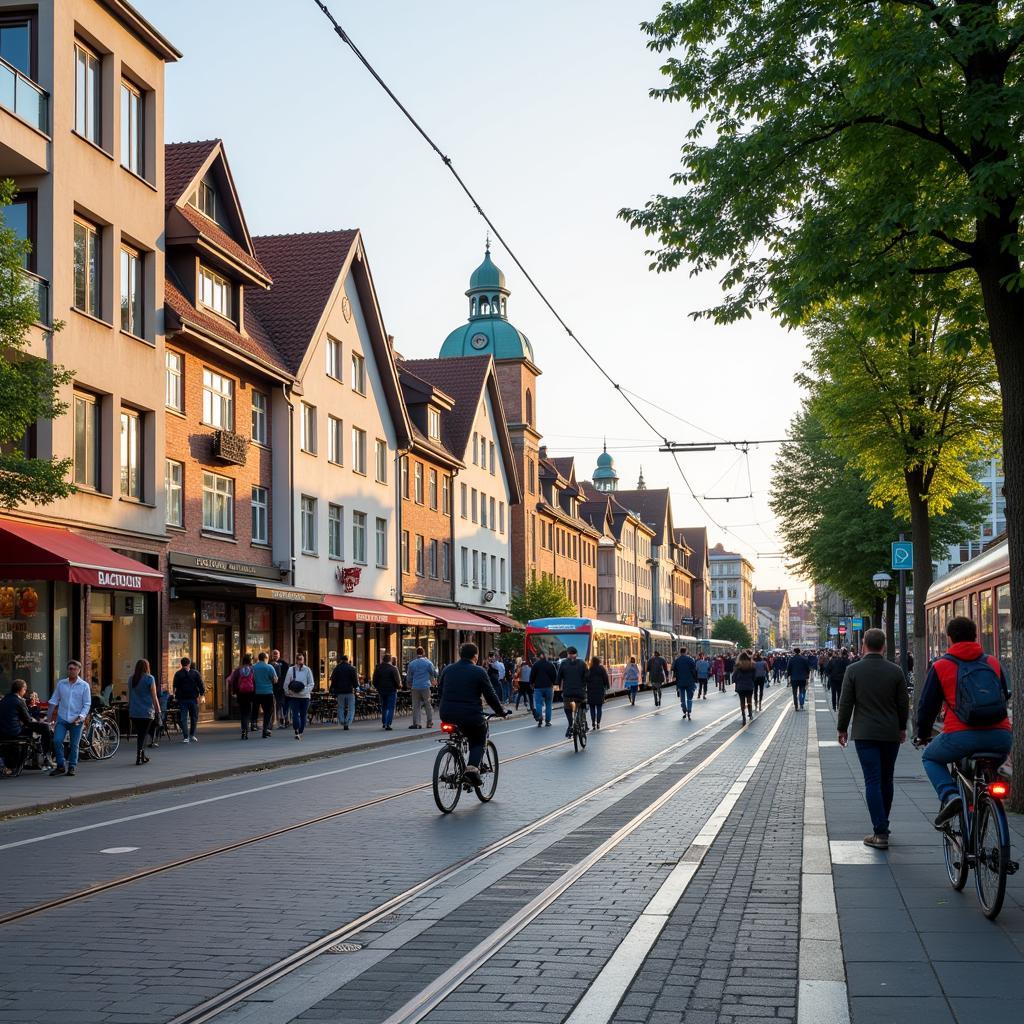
<point x="606" y="478"/>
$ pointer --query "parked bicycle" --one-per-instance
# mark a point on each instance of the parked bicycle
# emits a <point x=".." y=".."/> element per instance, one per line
<point x="450" y="769"/>
<point x="579" y="725"/>
<point x="101" y="736"/>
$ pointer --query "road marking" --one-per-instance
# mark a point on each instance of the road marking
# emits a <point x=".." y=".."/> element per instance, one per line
<point x="828" y="743"/>
<point x="119" y="849"/>
<point x="602" y="999"/>
<point x="853" y="851"/>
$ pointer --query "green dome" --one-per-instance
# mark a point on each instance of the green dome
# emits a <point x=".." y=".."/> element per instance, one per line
<point x="487" y="336"/>
<point x="605" y="477"/>
<point x="487" y="275"/>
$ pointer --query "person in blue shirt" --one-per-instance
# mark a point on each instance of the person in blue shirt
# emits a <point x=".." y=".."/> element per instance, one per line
<point x="265" y="679"/>
<point x="143" y="706"/>
<point x="69" y="708"/>
<point x="703" y="674"/>
<point x="798" y="669"/>
<point x="684" y="670"/>
<point x="420" y="674"/>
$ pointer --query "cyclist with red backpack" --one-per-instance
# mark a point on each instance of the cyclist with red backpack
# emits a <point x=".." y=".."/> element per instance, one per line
<point x="972" y="687"/>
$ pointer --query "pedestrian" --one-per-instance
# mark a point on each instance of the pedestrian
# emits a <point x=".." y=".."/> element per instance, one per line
<point x="597" y="684"/>
<point x="798" y="668"/>
<point x="280" y="694"/>
<point x="387" y="683"/>
<point x="972" y="688"/>
<point x="265" y="678"/>
<point x="188" y="688"/>
<point x="875" y="694"/>
<point x="719" y="670"/>
<point x="17" y="723"/>
<point x="298" y="684"/>
<point x="834" y="673"/>
<point x="494" y="676"/>
<point x="543" y="676"/>
<point x="730" y="666"/>
<point x="781" y="666"/>
<point x="745" y="680"/>
<point x="631" y="679"/>
<point x="524" y="673"/>
<point x="242" y="683"/>
<point x="823" y="668"/>
<point x="657" y="674"/>
<point x="421" y="674"/>
<point x="684" y="671"/>
<point x="143" y="706"/>
<point x="572" y="677"/>
<point x="160" y="722"/>
<point x="344" y="684"/>
<point x="509" y="667"/>
<point x="760" y="679"/>
<point x="703" y="674"/>
<point x="69" y="708"/>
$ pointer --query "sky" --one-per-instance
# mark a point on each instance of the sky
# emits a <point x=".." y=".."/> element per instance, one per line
<point x="543" y="109"/>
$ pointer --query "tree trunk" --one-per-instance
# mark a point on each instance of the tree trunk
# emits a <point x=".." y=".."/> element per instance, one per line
<point x="921" y="535"/>
<point x="879" y="612"/>
<point x="890" y="624"/>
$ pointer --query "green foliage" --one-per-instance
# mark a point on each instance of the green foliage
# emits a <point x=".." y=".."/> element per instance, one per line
<point x="511" y="643"/>
<point x="728" y="627"/>
<point x="28" y="384"/>
<point x="541" y="599"/>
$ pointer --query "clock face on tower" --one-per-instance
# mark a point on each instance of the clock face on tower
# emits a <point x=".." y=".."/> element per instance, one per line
<point x="478" y="341"/>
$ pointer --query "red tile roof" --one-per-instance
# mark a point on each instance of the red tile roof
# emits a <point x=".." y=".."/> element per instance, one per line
<point x="182" y="161"/>
<point x="463" y="379"/>
<point x="212" y="232"/>
<point x="305" y="268"/>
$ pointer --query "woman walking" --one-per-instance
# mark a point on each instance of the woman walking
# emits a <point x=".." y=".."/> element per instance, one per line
<point x="743" y="680"/>
<point x="631" y="679"/>
<point x="143" y="706"/>
<point x="720" y="673"/>
<point x="760" y="678"/>
<point x="242" y="683"/>
<point x="597" y="684"/>
<point x="525" y="691"/>
<point x="298" y="684"/>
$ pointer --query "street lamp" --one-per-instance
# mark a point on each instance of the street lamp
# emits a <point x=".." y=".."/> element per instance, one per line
<point x="881" y="580"/>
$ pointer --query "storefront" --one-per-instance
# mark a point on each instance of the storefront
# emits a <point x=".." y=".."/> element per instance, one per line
<point x="64" y="596"/>
<point x="220" y="610"/>
<point x="451" y="628"/>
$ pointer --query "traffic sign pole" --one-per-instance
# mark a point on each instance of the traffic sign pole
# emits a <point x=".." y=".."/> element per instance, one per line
<point x="904" y="661"/>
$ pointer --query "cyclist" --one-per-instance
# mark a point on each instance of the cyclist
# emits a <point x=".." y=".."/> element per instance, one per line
<point x="684" y="671"/>
<point x="572" y="677"/>
<point x="657" y="673"/>
<point x="460" y="689"/>
<point x="964" y="666"/>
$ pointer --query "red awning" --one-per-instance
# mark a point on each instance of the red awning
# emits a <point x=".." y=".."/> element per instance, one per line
<point x="504" y="621"/>
<point x="31" y="552"/>
<point x="458" y="618"/>
<point x="362" y="609"/>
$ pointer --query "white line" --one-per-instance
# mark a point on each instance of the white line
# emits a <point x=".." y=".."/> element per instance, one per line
<point x="602" y="999"/>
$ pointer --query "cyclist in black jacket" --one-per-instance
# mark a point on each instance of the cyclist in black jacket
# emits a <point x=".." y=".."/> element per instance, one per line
<point x="572" y="677"/>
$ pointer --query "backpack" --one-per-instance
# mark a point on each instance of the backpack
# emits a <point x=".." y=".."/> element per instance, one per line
<point x="980" y="701"/>
<point x="245" y="681"/>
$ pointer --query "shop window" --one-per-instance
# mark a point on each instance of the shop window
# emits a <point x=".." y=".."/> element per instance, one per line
<point x="335" y="531"/>
<point x="25" y="634"/>
<point x="218" y="503"/>
<point x="381" y="542"/>
<point x="307" y="516"/>
<point x="359" y="537"/>
<point x="260" y="516"/>
<point x="174" y="478"/>
<point x="131" y="454"/>
<point x="259" y="417"/>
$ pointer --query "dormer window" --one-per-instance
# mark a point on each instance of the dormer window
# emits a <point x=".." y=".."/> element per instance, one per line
<point x="204" y="199"/>
<point x="215" y="292"/>
<point x="433" y="425"/>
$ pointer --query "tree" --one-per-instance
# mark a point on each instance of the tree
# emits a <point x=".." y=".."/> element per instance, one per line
<point x="542" y="598"/>
<point x="728" y="627"/>
<point x="28" y="384"/>
<point x="841" y="145"/>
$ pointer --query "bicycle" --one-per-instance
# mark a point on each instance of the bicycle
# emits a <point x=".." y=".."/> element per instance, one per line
<point x="449" y="779"/>
<point x="979" y="836"/>
<point x="100" y="738"/>
<point x="579" y="725"/>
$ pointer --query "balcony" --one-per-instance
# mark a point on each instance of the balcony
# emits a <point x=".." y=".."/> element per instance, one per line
<point x="38" y="289"/>
<point x="23" y="97"/>
<point x="230" y="447"/>
<point x="24" y="124"/>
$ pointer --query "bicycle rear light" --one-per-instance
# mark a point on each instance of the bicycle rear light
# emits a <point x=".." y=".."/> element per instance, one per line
<point x="447" y="727"/>
<point x="999" y="788"/>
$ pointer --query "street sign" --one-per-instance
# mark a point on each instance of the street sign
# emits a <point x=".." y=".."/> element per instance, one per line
<point x="902" y="554"/>
<point x="842" y="631"/>
<point x="858" y="623"/>
<point x="832" y="631"/>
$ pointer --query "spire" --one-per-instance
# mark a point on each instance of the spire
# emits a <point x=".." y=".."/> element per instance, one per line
<point x="640" y="484"/>
<point x="605" y="476"/>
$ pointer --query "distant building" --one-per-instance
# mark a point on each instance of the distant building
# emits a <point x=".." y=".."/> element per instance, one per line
<point x="695" y="539"/>
<point x="773" y="618"/>
<point x="732" y="587"/>
<point x="990" y="475"/>
<point x="803" y="626"/>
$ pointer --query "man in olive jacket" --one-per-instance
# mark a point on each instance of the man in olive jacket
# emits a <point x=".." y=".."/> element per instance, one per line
<point x="875" y="694"/>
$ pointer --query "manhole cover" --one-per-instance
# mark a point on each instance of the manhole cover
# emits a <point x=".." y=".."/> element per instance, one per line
<point x="345" y="947"/>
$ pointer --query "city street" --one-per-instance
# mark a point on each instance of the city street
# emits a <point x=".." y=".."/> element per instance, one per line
<point x="673" y="871"/>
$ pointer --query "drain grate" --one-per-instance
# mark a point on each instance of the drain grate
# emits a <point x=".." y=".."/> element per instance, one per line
<point x="345" y="947"/>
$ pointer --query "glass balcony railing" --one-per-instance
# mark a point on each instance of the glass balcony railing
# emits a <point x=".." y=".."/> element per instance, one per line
<point x="38" y="288"/>
<point x="23" y="97"/>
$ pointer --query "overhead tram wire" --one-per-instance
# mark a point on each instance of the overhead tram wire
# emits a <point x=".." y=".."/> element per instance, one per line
<point x="447" y="161"/>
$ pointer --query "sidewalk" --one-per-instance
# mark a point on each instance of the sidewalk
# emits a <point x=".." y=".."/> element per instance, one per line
<point x="912" y="946"/>
<point x="218" y="754"/>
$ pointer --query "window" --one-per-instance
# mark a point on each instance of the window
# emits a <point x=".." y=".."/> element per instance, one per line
<point x="419" y="554"/>
<point x="483" y="569"/>
<point x="334" y="358"/>
<point x="259" y="417"/>
<point x="307" y="517"/>
<point x="87" y="94"/>
<point x="502" y="580"/>
<point x="335" y="441"/>
<point x="476" y="568"/>
<point x="132" y="129"/>
<point x="405" y="476"/>
<point x="16" y="43"/>
<point x="204" y="199"/>
<point x="260" y="520"/>
<point x="492" y="519"/>
<point x="473" y="515"/>
<point x="218" y="503"/>
<point x="446" y="495"/>
<point x="417" y="478"/>
<point x="359" y="537"/>
<point x="218" y="400"/>
<point x="382" y="541"/>
<point x="358" y="373"/>
<point x="335" y="531"/>
<point x="308" y="439"/>
<point x="131" y="293"/>
<point x="174" y="392"/>
<point x="501" y="517"/>
<point x="483" y="510"/>
<point x="381" y="449"/>
<point x="433" y="424"/>
<point x="174" y="478"/>
<point x="475" y="443"/>
<point x="87" y="267"/>
<point x="530" y="476"/>
<point x="494" y="571"/>
<point x="215" y="292"/>
<point x="359" y="450"/>
<point x="433" y="559"/>
<point x="432" y="489"/>
<point x="87" y="441"/>
<point x="446" y="561"/>
<point x="464" y="496"/>
<point x="465" y="566"/>
<point x="131" y="454"/>
<point x="491" y="446"/>
<point x="405" y="551"/>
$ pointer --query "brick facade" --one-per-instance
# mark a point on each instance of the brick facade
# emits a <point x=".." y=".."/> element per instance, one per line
<point x="433" y="525"/>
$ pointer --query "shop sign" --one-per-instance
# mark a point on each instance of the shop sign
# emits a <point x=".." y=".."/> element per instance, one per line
<point x="272" y="594"/>
<point x="223" y="565"/>
<point x="118" y="580"/>
<point x="348" y="578"/>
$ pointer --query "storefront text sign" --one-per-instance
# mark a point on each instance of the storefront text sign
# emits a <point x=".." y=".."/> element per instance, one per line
<point x="118" y="580"/>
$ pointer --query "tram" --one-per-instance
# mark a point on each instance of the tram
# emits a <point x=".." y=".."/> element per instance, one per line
<point x="979" y="589"/>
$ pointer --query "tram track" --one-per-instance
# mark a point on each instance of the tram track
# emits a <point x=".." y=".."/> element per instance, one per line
<point x="225" y="848"/>
<point x="450" y="979"/>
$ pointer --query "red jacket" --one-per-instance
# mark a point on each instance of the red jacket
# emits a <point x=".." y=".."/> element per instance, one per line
<point x="940" y="689"/>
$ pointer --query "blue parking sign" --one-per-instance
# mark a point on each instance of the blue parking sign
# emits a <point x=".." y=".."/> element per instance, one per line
<point x="902" y="554"/>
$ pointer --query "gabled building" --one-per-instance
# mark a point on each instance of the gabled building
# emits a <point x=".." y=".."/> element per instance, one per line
<point x="682" y="585"/>
<point x="653" y="507"/>
<point x="773" y="617"/>
<point x="695" y="538"/>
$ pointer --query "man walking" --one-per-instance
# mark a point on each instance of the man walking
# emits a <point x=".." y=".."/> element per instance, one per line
<point x="344" y="683"/>
<point x="834" y="673"/>
<point x="875" y="694"/>
<point x="420" y="674"/>
<point x="684" y="671"/>
<point x="703" y="673"/>
<point x="798" y="668"/>
<point x="543" y="678"/>
<point x="69" y="708"/>
<point x="280" y="696"/>
<point x="657" y="673"/>
<point x="188" y="688"/>
<point x="264" y="679"/>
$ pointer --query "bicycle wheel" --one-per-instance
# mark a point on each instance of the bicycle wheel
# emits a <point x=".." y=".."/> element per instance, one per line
<point x="954" y="852"/>
<point x="993" y="855"/>
<point x="489" y="773"/>
<point x="448" y="771"/>
<point x="105" y="740"/>
<point x="579" y="730"/>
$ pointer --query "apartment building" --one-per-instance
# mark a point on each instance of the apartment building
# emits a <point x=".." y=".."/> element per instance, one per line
<point x="773" y="618"/>
<point x="669" y="580"/>
<point x="732" y="587"/>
